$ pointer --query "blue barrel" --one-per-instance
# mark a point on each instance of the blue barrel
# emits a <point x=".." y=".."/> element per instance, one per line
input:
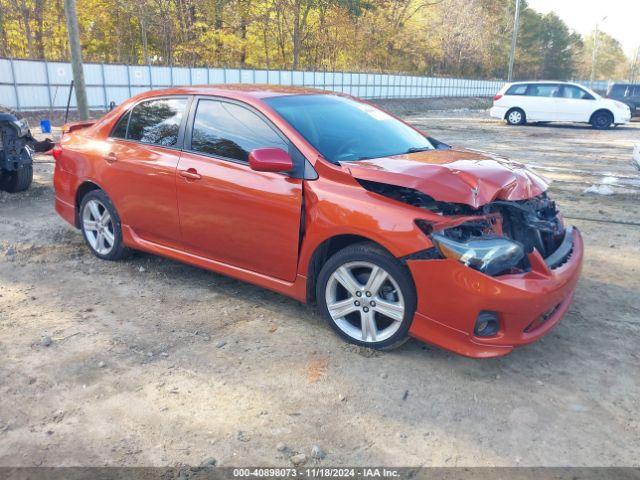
<point x="45" y="126"/>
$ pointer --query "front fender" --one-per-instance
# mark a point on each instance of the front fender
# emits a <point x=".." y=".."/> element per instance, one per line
<point x="334" y="208"/>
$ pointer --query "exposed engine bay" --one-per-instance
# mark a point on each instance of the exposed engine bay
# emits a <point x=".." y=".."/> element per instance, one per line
<point x="534" y="223"/>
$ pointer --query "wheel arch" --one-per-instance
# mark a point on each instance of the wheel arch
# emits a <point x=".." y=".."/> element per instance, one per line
<point x="84" y="188"/>
<point x="325" y="250"/>
<point x="602" y="110"/>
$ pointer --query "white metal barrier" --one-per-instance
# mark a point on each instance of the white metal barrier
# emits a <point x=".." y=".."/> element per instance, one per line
<point x="40" y="85"/>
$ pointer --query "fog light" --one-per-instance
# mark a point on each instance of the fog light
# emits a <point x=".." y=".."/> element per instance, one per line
<point x="487" y="324"/>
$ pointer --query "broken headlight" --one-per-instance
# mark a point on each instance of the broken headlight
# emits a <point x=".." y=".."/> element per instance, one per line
<point x="492" y="256"/>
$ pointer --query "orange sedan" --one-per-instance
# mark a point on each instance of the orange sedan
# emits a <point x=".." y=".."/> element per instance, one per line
<point x="331" y="201"/>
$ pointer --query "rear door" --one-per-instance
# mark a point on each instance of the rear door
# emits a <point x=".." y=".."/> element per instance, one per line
<point x="229" y="212"/>
<point x="514" y="96"/>
<point x="575" y="104"/>
<point x="141" y="158"/>
<point x="542" y="102"/>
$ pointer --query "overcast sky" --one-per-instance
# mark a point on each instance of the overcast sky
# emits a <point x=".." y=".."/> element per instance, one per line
<point x="623" y="22"/>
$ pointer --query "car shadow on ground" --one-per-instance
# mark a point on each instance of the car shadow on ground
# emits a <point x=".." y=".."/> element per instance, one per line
<point x="557" y="347"/>
<point x="574" y="126"/>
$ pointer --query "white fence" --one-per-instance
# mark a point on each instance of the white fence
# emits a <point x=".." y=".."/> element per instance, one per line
<point x="39" y="85"/>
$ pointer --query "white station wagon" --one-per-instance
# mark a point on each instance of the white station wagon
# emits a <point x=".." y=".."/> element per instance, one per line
<point x="524" y="102"/>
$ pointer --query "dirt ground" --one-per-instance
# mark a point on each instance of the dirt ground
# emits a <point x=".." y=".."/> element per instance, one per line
<point x="152" y="362"/>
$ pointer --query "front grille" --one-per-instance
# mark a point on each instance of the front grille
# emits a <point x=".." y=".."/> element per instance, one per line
<point x="563" y="253"/>
<point x="564" y="260"/>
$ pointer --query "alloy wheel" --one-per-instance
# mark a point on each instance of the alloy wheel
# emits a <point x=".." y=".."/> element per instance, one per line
<point x="98" y="227"/>
<point x="365" y="301"/>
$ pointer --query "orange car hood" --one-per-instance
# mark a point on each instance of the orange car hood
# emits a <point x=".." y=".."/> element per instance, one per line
<point x="457" y="175"/>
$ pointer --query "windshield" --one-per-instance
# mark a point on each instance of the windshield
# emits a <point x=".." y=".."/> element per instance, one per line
<point x="595" y="95"/>
<point x="342" y="129"/>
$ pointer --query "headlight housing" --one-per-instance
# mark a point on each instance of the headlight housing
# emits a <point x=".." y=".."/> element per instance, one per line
<point x="491" y="256"/>
<point x="622" y="106"/>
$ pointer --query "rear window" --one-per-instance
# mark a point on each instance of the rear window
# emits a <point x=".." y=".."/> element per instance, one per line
<point x="157" y="121"/>
<point x="517" y="90"/>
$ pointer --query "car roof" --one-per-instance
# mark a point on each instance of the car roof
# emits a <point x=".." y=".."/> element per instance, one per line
<point x="249" y="93"/>
<point x="255" y="91"/>
<point x="545" y="82"/>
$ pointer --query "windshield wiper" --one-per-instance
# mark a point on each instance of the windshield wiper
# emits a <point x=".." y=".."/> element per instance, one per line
<point x="418" y="149"/>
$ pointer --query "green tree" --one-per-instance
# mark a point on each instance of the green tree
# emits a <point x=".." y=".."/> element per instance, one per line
<point x="611" y="62"/>
<point x="441" y="37"/>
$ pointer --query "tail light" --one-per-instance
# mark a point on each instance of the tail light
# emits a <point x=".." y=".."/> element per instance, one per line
<point x="497" y="97"/>
<point x="56" y="151"/>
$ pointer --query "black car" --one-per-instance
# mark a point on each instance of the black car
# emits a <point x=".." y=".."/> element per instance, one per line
<point x="16" y="170"/>
<point x="626" y="93"/>
<point x="17" y="147"/>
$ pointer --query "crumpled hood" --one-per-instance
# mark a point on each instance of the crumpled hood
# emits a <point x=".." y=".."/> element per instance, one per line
<point x="457" y="175"/>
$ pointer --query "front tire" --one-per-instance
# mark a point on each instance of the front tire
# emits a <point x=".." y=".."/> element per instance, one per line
<point x="16" y="180"/>
<point x="100" y="226"/>
<point x="602" y="120"/>
<point x="367" y="297"/>
<point x="515" y="116"/>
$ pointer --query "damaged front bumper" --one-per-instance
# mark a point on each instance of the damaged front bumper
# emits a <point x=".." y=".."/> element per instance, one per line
<point x="528" y="305"/>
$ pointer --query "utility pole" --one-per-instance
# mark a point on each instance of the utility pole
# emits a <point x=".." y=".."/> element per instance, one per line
<point x="595" y="51"/>
<point x="76" y="58"/>
<point x="514" y="39"/>
<point x="634" y="66"/>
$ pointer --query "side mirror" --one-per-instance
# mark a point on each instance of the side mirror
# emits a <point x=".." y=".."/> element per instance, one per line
<point x="270" y="160"/>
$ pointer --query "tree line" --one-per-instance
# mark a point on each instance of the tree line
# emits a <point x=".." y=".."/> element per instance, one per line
<point x="469" y="38"/>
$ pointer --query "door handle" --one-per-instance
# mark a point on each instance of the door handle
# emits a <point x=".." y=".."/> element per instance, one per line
<point x="111" y="157"/>
<point x="190" y="174"/>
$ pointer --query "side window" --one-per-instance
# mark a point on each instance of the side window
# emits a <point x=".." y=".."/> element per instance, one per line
<point x="157" y="121"/>
<point x="120" y="130"/>
<point x="231" y="131"/>
<point x="634" y="91"/>
<point x="543" y="90"/>
<point x="517" y="90"/>
<point x="569" y="91"/>
<point x="618" y="91"/>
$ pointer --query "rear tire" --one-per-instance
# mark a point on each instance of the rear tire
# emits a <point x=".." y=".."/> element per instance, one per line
<point x="376" y="307"/>
<point x="602" y="120"/>
<point x="16" y="180"/>
<point x="101" y="227"/>
<point x="516" y="116"/>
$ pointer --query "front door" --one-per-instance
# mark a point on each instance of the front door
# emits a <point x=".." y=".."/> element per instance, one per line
<point x="229" y="212"/>
<point x="141" y="156"/>
<point x="575" y="104"/>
